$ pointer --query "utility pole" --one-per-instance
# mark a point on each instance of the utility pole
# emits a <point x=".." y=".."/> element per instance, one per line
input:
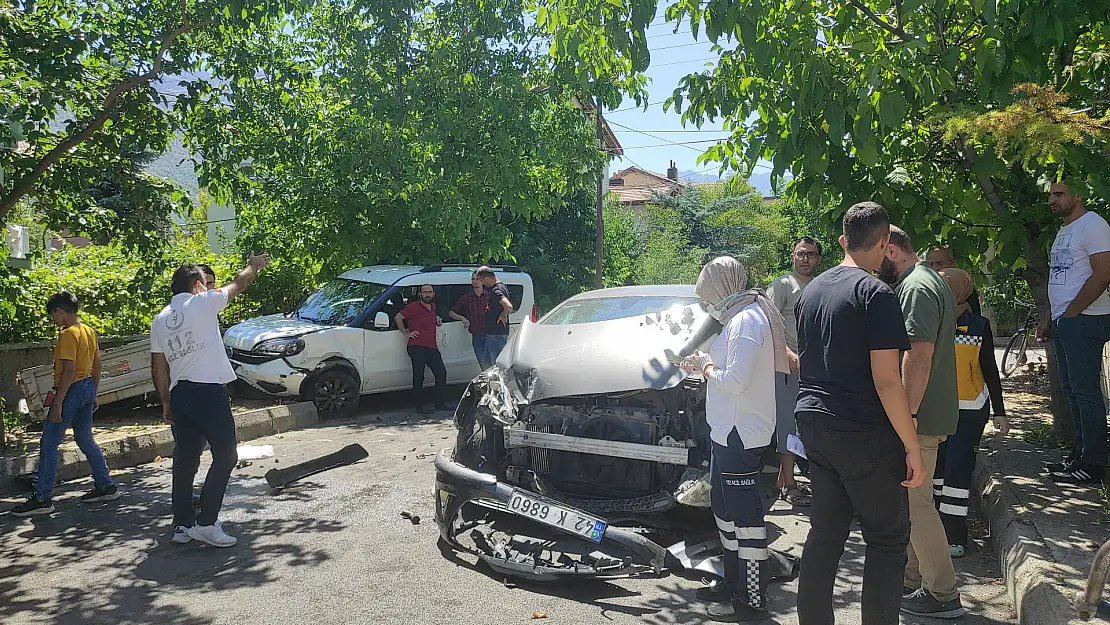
<point x="599" y="234"/>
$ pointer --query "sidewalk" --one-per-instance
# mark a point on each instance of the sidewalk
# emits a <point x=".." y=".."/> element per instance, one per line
<point x="1045" y="534"/>
<point x="140" y="436"/>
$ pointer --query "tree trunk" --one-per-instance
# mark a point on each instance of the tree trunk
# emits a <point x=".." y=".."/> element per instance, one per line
<point x="1037" y="277"/>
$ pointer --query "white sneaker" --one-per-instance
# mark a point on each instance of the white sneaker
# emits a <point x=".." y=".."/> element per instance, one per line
<point x="212" y="534"/>
<point x="181" y="535"/>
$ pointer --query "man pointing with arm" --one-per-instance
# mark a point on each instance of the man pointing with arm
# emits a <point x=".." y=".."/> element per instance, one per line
<point x="190" y="369"/>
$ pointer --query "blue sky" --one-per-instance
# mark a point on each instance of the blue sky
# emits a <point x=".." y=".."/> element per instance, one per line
<point x="672" y="57"/>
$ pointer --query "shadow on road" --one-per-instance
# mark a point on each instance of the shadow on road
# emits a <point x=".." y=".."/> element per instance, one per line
<point x="114" y="564"/>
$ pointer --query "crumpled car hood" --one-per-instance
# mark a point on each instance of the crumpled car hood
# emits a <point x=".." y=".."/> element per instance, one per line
<point x="607" y="357"/>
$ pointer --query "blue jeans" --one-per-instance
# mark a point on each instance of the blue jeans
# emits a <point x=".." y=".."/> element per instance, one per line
<point x="480" y="352"/>
<point x="491" y="348"/>
<point x="77" y="412"/>
<point x="1078" y="342"/>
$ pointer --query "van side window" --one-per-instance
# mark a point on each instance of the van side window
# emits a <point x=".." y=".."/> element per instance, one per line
<point x="516" y="294"/>
<point x="448" y="301"/>
<point x="392" y="305"/>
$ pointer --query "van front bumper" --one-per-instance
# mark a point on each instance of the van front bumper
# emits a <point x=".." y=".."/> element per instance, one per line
<point x="276" y="377"/>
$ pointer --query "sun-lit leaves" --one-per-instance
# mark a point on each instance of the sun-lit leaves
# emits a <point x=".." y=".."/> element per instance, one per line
<point x="372" y="131"/>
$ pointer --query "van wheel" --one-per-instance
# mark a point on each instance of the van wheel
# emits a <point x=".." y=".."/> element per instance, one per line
<point x="335" y="394"/>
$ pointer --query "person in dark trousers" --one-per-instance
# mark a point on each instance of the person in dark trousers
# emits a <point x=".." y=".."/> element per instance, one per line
<point x="470" y="309"/>
<point x="1079" y="273"/>
<point x="418" y="322"/>
<point x="929" y="375"/>
<point x="739" y="371"/>
<point x="498" y="309"/>
<point x="941" y="257"/>
<point x="980" y="389"/>
<point x="71" y="404"/>
<point x="854" y="421"/>
<point x="190" y="368"/>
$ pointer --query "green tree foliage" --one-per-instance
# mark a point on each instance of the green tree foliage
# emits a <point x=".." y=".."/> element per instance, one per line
<point x="667" y="256"/>
<point x="623" y="242"/>
<point x="78" y="100"/>
<point x="555" y="251"/>
<point x="853" y="99"/>
<point x="369" y="131"/>
<point x="731" y="219"/>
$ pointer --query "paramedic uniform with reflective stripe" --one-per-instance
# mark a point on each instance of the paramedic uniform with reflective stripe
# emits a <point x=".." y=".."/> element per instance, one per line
<point x="980" y="389"/>
<point x="740" y="410"/>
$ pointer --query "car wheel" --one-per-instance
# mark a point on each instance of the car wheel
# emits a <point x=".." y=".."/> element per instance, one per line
<point x="335" y="394"/>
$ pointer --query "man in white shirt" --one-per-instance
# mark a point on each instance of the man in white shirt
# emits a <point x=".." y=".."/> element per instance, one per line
<point x="190" y="368"/>
<point x="785" y="292"/>
<point x="1079" y="272"/>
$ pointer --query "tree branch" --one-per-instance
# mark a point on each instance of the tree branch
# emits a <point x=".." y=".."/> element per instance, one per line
<point x="891" y="28"/>
<point x="24" y="184"/>
<point x="986" y="183"/>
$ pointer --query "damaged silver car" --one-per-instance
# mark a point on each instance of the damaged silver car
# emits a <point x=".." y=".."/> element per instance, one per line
<point x="584" y="450"/>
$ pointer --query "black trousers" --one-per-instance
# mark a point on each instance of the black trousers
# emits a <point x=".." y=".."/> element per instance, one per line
<point x="738" y="511"/>
<point x="955" y="466"/>
<point x="421" y="357"/>
<point x="854" y="473"/>
<point x="201" y="412"/>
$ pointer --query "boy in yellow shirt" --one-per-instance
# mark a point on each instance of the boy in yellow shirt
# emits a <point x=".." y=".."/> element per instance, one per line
<point x="76" y="379"/>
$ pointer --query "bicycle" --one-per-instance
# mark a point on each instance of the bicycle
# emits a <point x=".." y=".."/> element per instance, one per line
<point x="1017" y="348"/>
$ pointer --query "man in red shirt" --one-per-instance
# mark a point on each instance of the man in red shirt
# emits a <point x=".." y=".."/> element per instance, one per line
<point x="471" y="311"/>
<point x="418" y="322"/>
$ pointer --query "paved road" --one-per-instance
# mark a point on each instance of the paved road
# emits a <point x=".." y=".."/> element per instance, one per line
<point x="334" y="551"/>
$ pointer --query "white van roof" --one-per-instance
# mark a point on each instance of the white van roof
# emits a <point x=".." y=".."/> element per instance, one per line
<point x="388" y="274"/>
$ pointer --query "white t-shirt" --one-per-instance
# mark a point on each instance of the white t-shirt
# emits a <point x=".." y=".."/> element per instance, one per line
<point x="188" y="333"/>
<point x="785" y="293"/>
<point x="741" y="391"/>
<point x="1070" y="263"/>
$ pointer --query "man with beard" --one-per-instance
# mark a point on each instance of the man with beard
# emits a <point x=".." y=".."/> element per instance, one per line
<point x="929" y="374"/>
<point x="1079" y="272"/>
<point x="418" y="322"/>
<point x="855" y="422"/>
<point x="785" y="293"/>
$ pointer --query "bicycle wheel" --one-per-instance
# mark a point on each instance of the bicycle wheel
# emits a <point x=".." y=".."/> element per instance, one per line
<point x="1015" y="352"/>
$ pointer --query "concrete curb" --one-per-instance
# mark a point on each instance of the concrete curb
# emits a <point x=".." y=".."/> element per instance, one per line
<point x="141" y="449"/>
<point x="1029" y="571"/>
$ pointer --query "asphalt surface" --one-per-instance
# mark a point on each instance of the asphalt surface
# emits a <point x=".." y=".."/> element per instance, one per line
<point x="334" y="550"/>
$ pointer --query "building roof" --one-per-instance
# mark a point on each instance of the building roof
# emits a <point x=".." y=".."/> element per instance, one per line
<point x="639" y="193"/>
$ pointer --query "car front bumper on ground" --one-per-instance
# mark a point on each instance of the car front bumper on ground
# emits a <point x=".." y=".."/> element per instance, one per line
<point x="275" y="377"/>
<point x="618" y="551"/>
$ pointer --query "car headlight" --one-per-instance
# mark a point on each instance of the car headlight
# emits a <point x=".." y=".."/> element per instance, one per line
<point x="279" y="347"/>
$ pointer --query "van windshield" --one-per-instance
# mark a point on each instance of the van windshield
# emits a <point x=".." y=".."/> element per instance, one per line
<point x="339" y="302"/>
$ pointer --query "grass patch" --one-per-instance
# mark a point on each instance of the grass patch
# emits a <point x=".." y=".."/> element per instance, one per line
<point x="1042" y="435"/>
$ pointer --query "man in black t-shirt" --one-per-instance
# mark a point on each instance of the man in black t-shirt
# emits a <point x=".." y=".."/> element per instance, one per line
<point x="855" y="424"/>
<point x="498" y="310"/>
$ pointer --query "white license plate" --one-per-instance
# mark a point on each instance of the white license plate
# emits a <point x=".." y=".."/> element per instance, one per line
<point x="528" y="505"/>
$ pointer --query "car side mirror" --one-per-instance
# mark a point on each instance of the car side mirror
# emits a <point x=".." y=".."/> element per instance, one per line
<point x="381" y="321"/>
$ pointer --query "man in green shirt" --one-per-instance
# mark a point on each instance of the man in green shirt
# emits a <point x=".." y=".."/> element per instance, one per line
<point x="929" y="374"/>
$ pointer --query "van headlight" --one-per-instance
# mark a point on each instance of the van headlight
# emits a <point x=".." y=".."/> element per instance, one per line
<point x="279" y="347"/>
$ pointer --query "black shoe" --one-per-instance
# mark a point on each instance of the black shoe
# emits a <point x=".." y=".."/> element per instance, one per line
<point x="715" y="592"/>
<point x="442" y="406"/>
<point x="425" y="410"/>
<point x="101" y="494"/>
<point x="1057" y="467"/>
<point x="922" y="603"/>
<point x="1080" y="473"/>
<point x="735" y="612"/>
<point x="33" y="507"/>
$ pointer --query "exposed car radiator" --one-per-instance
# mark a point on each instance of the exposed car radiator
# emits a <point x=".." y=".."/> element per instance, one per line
<point x="541" y="458"/>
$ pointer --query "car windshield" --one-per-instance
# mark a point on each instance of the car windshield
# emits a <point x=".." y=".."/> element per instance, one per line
<point x="609" y="308"/>
<point x="338" y="302"/>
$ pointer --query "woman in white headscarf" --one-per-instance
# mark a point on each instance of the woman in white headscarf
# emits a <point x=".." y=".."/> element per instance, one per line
<point x="740" y="407"/>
